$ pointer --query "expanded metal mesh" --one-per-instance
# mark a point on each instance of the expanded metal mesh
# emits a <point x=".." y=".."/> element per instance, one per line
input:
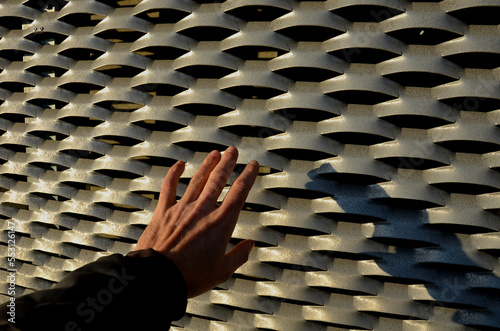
<point x="376" y="124"/>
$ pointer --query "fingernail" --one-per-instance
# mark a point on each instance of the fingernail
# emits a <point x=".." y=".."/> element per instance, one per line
<point x="232" y="149"/>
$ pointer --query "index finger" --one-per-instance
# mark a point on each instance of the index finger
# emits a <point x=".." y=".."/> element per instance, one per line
<point x="238" y="193"/>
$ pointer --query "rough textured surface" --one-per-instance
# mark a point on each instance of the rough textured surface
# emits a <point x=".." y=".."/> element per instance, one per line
<point x="376" y="123"/>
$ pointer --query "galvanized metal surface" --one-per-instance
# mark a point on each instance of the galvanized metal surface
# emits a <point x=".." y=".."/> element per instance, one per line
<point x="376" y="123"/>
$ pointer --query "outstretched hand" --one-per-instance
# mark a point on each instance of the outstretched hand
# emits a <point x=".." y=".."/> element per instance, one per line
<point x="194" y="232"/>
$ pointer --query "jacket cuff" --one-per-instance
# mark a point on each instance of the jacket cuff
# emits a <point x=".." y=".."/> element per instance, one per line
<point x="160" y="278"/>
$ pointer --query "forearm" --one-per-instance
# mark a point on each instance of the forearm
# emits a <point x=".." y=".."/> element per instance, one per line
<point x="139" y="291"/>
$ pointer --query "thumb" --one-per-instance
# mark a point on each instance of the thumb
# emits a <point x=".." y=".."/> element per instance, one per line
<point x="238" y="255"/>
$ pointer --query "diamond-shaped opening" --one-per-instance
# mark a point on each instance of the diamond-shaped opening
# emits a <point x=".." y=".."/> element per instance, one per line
<point x="472" y="103"/>
<point x="415" y="121"/>
<point x="118" y="105"/>
<point x="83" y="186"/>
<point x="85" y="218"/>
<point x="82" y="54"/>
<point x="416" y="163"/>
<point x="251" y="130"/>
<point x="15" y="87"/>
<point x="155" y="160"/>
<point x="120" y="3"/>
<point x="424" y="36"/>
<point x="357" y="138"/>
<point x="356" y="179"/>
<point x="163" y="15"/>
<point x="258" y="208"/>
<point x="47" y="71"/>
<point x="420" y="79"/>
<point x="461" y="228"/>
<point x="361" y="97"/>
<point x="157" y="89"/>
<point x="254" y="92"/>
<point x="302" y="154"/>
<point x="153" y="195"/>
<point x="82" y="19"/>
<point x="83" y="121"/>
<point x="47" y="196"/>
<point x="16" y="117"/>
<point x="206" y="71"/>
<point x="204" y="109"/>
<point x="47" y="38"/>
<point x="46" y="5"/>
<point x="367" y="13"/>
<point x="118" y="173"/>
<point x="14" y="22"/>
<point x="119" y="140"/>
<point x="310" y="33"/>
<point x="82" y="88"/>
<point x="202" y="146"/>
<point x="82" y="154"/>
<point x="123" y="71"/>
<point x="121" y="35"/>
<point x="208" y="33"/>
<point x="161" y="52"/>
<point x="477" y="60"/>
<point x="119" y="207"/>
<point x="307" y="74"/>
<point x="465" y="188"/>
<point x="49" y="166"/>
<point x="48" y="135"/>
<point x="305" y="114"/>
<point x="470" y="146"/>
<point x="14" y="54"/>
<point x="407" y="203"/>
<point x="364" y="55"/>
<point x="480" y="15"/>
<point x="260" y="13"/>
<point x="257" y="53"/>
<point x="159" y="125"/>
<point x="48" y="103"/>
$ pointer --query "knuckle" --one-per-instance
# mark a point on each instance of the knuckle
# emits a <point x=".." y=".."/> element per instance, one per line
<point x="199" y="209"/>
<point x="222" y="175"/>
<point x="196" y="181"/>
<point x="239" y="185"/>
<point x="213" y="192"/>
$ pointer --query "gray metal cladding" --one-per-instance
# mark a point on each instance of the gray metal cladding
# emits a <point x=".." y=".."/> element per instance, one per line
<point x="376" y="124"/>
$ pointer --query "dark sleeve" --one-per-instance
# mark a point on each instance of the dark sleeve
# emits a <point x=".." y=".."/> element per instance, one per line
<point x="140" y="291"/>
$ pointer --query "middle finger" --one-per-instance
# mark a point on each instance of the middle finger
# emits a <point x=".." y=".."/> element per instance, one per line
<point x="219" y="176"/>
<point x="201" y="176"/>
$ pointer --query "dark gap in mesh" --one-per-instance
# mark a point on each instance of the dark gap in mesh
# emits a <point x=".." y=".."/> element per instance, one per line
<point x="423" y="36"/>
<point x="258" y="13"/>
<point x="367" y="13"/>
<point x="207" y="33"/>
<point x="415" y="121"/>
<point x="420" y="79"/>
<point x="364" y="55"/>
<point x="310" y="33"/>
<point x="415" y="163"/>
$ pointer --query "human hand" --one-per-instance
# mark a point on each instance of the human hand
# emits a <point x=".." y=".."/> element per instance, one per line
<point x="194" y="232"/>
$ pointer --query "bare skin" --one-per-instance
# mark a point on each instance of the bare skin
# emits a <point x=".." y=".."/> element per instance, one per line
<point x="194" y="232"/>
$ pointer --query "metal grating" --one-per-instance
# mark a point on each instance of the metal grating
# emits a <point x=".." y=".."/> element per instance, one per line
<point x="376" y="123"/>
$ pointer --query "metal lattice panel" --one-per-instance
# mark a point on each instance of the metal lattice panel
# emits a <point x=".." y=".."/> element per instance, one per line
<point x="376" y="124"/>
